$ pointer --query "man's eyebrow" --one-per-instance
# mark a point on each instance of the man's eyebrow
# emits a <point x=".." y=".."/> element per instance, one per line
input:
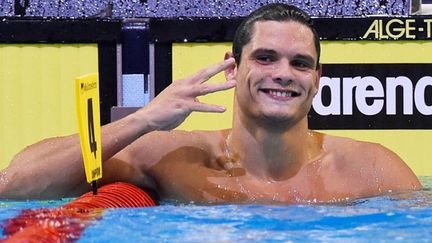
<point x="263" y="51"/>
<point x="305" y="57"/>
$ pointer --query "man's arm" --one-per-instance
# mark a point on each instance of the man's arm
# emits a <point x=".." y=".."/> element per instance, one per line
<point x="53" y="167"/>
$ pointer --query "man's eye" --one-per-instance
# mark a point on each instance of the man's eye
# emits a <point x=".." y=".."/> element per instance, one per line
<point x="301" y="64"/>
<point x="264" y="59"/>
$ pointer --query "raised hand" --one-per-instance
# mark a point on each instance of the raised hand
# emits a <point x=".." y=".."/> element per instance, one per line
<point x="171" y="107"/>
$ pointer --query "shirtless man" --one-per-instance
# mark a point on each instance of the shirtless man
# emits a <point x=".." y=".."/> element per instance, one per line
<point x="269" y="155"/>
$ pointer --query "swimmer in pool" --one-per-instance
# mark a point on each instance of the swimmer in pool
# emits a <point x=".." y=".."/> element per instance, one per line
<point x="269" y="155"/>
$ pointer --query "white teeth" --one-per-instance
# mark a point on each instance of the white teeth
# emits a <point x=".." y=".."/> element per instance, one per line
<point x="281" y="93"/>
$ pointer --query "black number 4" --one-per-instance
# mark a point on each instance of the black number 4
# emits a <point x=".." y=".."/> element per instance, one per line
<point x="92" y="139"/>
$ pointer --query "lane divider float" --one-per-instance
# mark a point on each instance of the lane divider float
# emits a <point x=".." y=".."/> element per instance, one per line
<point x="66" y="223"/>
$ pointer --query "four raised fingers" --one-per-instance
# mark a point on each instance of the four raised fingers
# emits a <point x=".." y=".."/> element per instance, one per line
<point x="194" y="86"/>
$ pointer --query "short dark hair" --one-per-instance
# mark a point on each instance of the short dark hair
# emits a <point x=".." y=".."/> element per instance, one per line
<point x="275" y="12"/>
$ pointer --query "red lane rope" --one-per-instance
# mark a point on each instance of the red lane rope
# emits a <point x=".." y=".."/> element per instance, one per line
<point x="66" y="223"/>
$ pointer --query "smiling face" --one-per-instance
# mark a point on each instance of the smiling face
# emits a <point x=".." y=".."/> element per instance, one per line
<point x="277" y="76"/>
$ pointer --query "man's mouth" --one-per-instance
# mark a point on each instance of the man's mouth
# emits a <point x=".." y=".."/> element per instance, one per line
<point x="280" y="93"/>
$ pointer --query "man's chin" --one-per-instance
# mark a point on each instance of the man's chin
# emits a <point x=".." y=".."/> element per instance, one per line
<point x="280" y="120"/>
<point x="277" y="118"/>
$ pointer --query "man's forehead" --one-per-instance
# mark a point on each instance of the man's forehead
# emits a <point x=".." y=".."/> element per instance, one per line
<point x="266" y="34"/>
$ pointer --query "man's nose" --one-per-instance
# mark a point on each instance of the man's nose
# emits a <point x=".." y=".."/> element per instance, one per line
<point x="283" y="73"/>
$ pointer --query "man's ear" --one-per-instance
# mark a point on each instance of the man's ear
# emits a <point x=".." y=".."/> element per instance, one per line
<point x="231" y="72"/>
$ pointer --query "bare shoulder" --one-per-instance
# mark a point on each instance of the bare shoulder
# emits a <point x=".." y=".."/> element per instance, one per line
<point x="381" y="168"/>
<point x="152" y="147"/>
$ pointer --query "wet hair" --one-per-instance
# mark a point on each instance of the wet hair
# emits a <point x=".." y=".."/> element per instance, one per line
<point x="275" y="12"/>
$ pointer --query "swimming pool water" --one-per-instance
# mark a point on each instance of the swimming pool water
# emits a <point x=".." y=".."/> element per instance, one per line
<point x="402" y="218"/>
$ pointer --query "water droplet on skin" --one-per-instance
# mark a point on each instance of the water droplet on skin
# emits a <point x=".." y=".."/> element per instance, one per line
<point x="3" y="178"/>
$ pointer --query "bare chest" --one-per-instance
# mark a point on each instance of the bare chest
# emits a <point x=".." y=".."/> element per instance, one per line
<point x="322" y="181"/>
<point x="301" y="189"/>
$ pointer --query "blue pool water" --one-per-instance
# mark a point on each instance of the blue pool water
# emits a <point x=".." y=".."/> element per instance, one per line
<point x="401" y="218"/>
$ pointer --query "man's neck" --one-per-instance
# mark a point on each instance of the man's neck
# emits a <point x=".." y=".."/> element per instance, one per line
<point x="270" y="153"/>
